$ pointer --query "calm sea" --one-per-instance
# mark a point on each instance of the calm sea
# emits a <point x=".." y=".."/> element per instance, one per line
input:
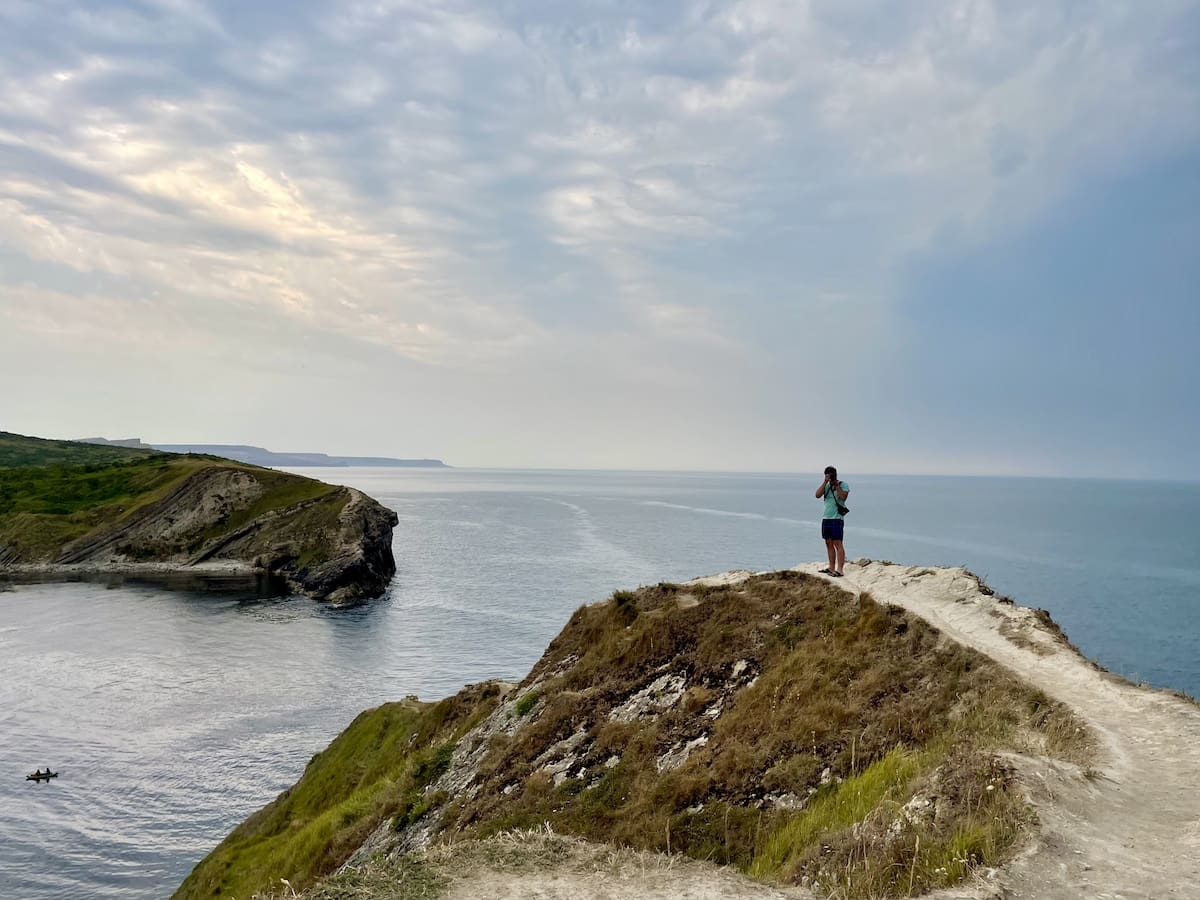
<point x="171" y="715"/>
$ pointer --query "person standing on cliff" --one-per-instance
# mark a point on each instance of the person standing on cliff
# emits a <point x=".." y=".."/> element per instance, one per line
<point x="834" y="493"/>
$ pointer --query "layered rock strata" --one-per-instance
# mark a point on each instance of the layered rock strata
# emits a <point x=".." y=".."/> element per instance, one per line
<point x="335" y="546"/>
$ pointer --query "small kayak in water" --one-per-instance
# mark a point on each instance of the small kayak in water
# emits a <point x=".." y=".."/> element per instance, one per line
<point x="41" y="776"/>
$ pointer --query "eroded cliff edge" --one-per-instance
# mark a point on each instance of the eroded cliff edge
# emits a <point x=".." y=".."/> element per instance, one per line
<point x="69" y="512"/>
<point x="825" y="739"/>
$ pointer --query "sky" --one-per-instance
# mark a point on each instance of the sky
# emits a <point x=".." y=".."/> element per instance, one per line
<point x="956" y="237"/>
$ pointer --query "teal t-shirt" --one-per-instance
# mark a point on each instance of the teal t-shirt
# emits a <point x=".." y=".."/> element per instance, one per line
<point x="831" y="503"/>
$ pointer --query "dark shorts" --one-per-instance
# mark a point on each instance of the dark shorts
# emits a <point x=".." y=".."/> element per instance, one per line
<point x="832" y="529"/>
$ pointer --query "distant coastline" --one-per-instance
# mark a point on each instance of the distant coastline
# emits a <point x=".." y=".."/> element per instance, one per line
<point x="260" y="456"/>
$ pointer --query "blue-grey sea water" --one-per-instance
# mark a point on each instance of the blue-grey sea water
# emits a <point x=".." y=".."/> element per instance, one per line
<point x="171" y="716"/>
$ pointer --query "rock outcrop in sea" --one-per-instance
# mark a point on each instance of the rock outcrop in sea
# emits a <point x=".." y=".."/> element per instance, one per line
<point x="353" y="557"/>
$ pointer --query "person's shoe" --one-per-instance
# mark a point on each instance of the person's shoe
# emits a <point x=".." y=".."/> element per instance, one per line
<point x="826" y="572"/>
<point x="838" y="574"/>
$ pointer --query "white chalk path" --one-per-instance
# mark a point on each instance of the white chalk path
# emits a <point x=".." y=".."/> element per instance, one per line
<point x="1133" y="831"/>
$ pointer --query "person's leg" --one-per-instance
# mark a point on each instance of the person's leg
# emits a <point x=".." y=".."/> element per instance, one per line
<point x="839" y="550"/>
<point x="828" y="536"/>
<point x="829" y="549"/>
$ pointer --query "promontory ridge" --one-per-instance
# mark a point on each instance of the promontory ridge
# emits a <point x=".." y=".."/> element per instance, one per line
<point x="897" y="732"/>
<point x="70" y="509"/>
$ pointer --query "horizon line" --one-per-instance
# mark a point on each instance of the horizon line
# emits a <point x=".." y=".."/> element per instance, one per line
<point x="788" y="472"/>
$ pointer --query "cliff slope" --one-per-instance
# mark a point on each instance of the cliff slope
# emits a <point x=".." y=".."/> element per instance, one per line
<point x="68" y="509"/>
<point x="823" y="740"/>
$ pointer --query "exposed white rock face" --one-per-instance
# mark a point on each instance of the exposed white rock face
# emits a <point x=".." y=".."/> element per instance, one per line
<point x="559" y="758"/>
<point x="564" y="747"/>
<point x="677" y="755"/>
<point x="459" y="778"/>
<point x="662" y="693"/>
<point x="734" y="576"/>
<point x="787" y="801"/>
<point x="560" y="769"/>
<point x="918" y="811"/>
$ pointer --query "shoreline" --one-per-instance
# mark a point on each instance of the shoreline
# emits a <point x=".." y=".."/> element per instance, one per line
<point x="53" y="571"/>
<point x="214" y="576"/>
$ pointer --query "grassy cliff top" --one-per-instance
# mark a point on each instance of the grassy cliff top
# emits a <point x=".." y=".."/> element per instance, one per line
<point x="53" y="493"/>
<point x="20" y="451"/>
<point x="780" y="725"/>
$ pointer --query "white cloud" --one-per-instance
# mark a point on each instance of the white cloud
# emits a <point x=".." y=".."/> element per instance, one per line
<point x="470" y="187"/>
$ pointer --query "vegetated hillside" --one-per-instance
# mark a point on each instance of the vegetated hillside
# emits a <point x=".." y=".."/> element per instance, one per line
<point x="18" y="450"/>
<point x="779" y="724"/>
<point x="64" y="505"/>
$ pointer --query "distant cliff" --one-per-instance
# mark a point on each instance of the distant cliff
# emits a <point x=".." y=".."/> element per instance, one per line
<point x="69" y="508"/>
<point x="260" y="456"/>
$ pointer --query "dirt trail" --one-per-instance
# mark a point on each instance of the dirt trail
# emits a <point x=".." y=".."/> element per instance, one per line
<point x="1133" y="831"/>
<point x="593" y="872"/>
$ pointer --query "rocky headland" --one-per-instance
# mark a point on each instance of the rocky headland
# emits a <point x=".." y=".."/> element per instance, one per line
<point x="897" y="732"/>
<point x="75" y="510"/>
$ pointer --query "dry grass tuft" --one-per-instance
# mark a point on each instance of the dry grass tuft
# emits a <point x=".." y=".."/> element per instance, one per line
<point x="779" y="725"/>
<point x="840" y="706"/>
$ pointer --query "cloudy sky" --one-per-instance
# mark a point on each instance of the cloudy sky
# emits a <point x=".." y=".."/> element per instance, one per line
<point x="957" y="236"/>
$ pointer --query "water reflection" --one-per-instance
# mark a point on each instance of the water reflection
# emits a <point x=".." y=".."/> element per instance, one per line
<point x="248" y="586"/>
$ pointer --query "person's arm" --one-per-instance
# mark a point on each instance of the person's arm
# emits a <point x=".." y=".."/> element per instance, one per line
<point x="821" y="490"/>
<point x="841" y="495"/>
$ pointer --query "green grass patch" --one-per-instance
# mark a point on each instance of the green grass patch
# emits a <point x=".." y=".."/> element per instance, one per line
<point x="55" y="492"/>
<point x="835" y="808"/>
<point x="896" y="852"/>
<point x="526" y="703"/>
<point x="61" y="490"/>
<point x="281" y="490"/>
<point x="19" y="451"/>
<point x="625" y="604"/>
<point x="376" y="769"/>
<point x="44" y="508"/>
